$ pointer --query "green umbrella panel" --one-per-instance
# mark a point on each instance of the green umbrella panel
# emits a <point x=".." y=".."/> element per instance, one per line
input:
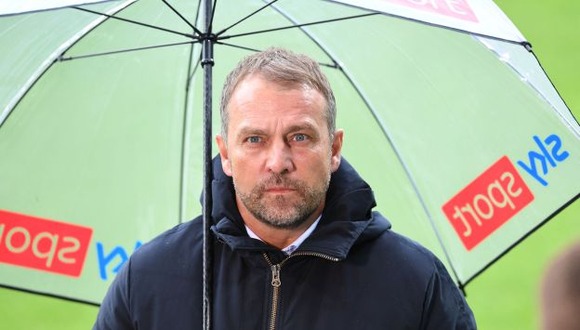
<point x="464" y="140"/>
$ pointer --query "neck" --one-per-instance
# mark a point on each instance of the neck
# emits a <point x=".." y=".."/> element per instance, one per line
<point x="275" y="236"/>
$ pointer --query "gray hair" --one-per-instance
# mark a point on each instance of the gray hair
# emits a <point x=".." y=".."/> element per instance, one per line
<point x="282" y="67"/>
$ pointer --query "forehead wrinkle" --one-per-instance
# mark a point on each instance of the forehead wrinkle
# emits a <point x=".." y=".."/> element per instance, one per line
<point x="305" y="124"/>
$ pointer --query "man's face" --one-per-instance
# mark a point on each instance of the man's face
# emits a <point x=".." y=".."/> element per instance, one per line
<point x="279" y="151"/>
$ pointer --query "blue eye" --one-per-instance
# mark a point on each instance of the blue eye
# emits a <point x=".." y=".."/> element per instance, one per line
<point x="300" y="137"/>
<point x="254" y="139"/>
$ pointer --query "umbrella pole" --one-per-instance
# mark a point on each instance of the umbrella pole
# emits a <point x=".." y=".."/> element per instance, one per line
<point x="207" y="193"/>
<point x="207" y="262"/>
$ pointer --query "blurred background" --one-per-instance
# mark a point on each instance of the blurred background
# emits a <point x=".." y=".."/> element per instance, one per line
<point x="505" y="296"/>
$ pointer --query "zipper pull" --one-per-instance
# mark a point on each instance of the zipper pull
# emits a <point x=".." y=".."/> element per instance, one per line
<point x="276" y="276"/>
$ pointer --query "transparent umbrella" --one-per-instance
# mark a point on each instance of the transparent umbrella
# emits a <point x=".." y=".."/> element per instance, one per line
<point x="447" y="113"/>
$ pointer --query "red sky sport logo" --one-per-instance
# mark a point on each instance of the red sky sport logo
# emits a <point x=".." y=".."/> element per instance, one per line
<point x="487" y="203"/>
<point x="500" y="193"/>
<point x="42" y="244"/>
<point x="452" y="8"/>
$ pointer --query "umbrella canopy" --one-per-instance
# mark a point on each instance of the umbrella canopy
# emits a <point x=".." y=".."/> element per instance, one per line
<point x="446" y="111"/>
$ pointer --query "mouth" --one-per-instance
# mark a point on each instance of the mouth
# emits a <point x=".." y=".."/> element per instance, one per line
<point x="279" y="190"/>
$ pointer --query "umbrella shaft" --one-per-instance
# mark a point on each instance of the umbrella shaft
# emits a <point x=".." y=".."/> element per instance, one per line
<point x="207" y="63"/>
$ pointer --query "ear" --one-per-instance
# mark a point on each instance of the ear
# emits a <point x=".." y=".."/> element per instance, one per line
<point x="223" y="148"/>
<point x="336" y="150"/>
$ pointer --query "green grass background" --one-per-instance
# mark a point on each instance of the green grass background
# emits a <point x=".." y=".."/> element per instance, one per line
<point x="506" y="295"/>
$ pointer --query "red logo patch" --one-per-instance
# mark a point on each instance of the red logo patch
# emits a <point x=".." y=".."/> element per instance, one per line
<point x="487" y="203"/>
<point x="47" y="245"/>
<point x="452" y="8"/>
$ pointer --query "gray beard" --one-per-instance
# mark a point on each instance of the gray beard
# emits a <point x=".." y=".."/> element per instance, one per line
<point x="280" y="212"/>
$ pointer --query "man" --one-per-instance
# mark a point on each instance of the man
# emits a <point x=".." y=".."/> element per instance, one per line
<point x="560" y="291"/>
<point x="297" y="245"/>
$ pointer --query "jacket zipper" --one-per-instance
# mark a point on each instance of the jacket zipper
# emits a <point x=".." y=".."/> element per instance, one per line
<point x="276" y="282"/>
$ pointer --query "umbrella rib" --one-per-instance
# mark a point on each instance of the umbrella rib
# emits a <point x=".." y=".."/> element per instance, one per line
<point x="408" y="174"/>
<point x="120" y="51"/>
<point x="238" y="46"/>
<point x="196" y="30"/>
<point x="245" y="18"/>
<point x="210" y="21"/>
<point x="296" y="26"/>
<point x="334" y="65"/>
<point x="138" y="23"/>
<point x="185" y="138"/>
<point x="194" y="71"/>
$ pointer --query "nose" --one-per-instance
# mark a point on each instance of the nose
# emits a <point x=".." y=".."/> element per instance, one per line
<point x="279" y="159"/>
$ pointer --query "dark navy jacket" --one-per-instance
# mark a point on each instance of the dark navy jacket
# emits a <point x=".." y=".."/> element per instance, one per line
<point x="353" y="272"/>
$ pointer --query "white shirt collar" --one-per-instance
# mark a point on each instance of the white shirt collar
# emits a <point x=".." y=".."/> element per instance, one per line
<point x="294" y="245"/>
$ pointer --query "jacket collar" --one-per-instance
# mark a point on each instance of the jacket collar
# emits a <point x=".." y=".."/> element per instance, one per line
<point x="346" y="218"/>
